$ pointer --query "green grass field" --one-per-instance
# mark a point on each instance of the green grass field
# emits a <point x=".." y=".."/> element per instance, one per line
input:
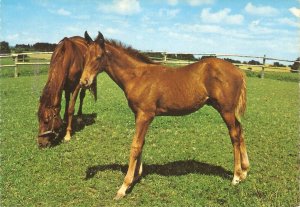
<point x="188" y="161"/>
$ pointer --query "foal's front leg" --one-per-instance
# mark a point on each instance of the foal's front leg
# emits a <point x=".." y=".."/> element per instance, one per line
<point x="142" y="123"/>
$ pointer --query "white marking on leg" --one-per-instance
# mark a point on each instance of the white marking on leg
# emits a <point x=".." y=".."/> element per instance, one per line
<point x="67" y="138"/>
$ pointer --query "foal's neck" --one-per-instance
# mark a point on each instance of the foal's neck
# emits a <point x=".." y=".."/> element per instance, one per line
<point x="123" y="68"/>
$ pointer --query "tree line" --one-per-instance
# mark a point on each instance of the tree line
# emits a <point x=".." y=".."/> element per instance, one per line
<point x="19" y="48"/>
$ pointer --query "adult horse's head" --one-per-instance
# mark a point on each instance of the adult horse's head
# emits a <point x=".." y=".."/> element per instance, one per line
<point x="50" y="123"/>
<point x="95" y="59"/>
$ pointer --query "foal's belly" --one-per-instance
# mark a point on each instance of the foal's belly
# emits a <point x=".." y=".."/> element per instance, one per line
<point x="180" y="106"/>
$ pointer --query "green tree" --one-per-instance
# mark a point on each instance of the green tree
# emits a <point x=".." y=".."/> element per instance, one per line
<point x="296" y="66"/>
<point x="4" y="47"/>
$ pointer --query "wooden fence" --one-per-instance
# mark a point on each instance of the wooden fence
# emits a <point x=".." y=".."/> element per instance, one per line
<point x="20" y="59"/>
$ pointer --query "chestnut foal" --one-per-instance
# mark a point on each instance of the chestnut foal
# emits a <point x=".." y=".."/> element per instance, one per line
<point x="157" y="90"/>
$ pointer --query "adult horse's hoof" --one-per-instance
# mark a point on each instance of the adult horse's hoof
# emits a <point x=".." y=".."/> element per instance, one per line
<point x="67" y="138"/>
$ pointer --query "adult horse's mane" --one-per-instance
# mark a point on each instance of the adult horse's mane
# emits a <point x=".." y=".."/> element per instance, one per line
<point x="130" y="51"/>
<point x="56" y="59"/>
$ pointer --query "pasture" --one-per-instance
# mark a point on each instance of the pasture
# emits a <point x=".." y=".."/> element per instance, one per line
<point x="188" y="161"/>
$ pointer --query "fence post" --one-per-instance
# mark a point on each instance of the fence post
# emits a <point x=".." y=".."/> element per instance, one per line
<point x="262" y="74"/>
<point x="165" y="57"/>
<point x="16" y="66"/>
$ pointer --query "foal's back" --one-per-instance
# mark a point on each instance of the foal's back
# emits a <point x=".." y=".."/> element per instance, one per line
<point x="179" y="91"/>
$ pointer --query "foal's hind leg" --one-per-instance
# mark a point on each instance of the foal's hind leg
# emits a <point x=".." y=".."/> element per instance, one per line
<point x="241" y="163"/>
<point x="244" y="156"/>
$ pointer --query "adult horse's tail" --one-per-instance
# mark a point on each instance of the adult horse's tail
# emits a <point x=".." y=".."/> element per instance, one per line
<point x="241" y="105"/>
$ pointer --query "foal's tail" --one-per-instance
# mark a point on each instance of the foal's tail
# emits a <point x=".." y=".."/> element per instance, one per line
<point x="241" y="105"/>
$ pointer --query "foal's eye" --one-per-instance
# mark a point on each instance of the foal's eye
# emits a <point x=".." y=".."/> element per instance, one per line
<point x="99" y="57"/>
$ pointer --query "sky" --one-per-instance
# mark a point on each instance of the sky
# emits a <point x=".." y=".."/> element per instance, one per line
<point x="245" y="27"/>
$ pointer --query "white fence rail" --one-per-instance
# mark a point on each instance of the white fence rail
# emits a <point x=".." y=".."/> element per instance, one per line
<point x="19" y="59"/>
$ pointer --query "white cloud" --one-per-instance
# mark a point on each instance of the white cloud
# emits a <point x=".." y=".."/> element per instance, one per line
<point x="222" y="16"/>
<point x="73" y="29"/>
<point x="191" y="2"/>
<point x="289" y="21"/>
<point x="260" y="10"/>
<point x="63" y="12"/>
<point x="122" y="7"/>
<point x="199" y="2"/>
<point x="13" y="36"/>
<point x="82" y="17"/>
<point x="255" y="27"/>
<point x="199" y="28"/>
<point x="173" y="2"/>
<point x="168" y="13"/>
<point x="111" y="31"/>
<point x="295" y="11"/>
<point x="22" y="38"/>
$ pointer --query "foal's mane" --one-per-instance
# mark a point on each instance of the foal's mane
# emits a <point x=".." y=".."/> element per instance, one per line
<point x="130" y="51"/>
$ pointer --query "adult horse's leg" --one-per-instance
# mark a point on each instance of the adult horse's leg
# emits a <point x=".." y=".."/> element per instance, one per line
<point x="241" y="163"/>
<point x="67" y="97"/>
<point x="142" y="123"/>
<point x="81" y="97"/>
<point x="71" y="113"/>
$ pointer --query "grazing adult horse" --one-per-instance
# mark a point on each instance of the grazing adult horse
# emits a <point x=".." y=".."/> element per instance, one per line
<point x="66" y="67"/>
<point x="156" y="90"/>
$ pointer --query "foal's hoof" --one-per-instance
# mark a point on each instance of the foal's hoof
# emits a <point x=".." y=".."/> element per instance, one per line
<point x="237" y="179"/>
<point x="119" y="196"/>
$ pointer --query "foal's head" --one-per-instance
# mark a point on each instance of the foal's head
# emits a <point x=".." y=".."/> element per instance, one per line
<point x="95" y="59"/>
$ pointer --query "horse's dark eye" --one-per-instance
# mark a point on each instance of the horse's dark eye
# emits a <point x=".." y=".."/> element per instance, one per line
<point x="99" y="57"/>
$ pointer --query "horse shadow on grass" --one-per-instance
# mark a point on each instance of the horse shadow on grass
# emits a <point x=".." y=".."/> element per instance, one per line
<point x="78" y="124"/>
<point x="177" y="168"/>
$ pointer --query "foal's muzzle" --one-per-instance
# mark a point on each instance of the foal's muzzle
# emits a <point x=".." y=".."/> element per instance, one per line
<point x="84" y="82"/>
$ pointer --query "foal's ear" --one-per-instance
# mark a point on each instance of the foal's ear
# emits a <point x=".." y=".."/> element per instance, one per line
<point x="87" y="37"/>
<point x="100" y="40"/>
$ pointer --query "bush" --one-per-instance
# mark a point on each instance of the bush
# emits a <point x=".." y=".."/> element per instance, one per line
<point x="296" y="66"/>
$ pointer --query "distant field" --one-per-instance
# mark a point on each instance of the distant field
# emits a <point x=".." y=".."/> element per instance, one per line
<point x="267" y="69"/>
<point x="188" y="161"/>
<point x="40" y="56"/>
